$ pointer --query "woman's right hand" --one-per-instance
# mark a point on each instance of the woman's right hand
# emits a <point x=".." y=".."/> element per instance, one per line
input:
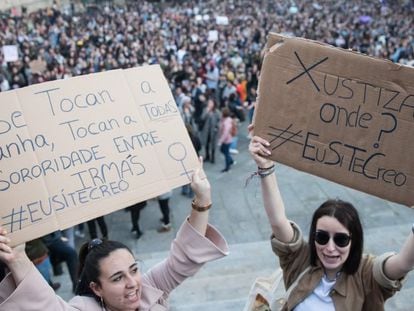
<point x="14" y="257"/>
<point x="6" y="252"/>
<point x="259" y="149"/>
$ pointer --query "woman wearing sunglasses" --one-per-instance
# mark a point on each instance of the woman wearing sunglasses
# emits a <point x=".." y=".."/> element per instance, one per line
<point x="110" y="279"/>
<point x="339" y="276"/>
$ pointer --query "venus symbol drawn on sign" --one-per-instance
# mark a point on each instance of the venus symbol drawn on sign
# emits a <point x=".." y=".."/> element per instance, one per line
<point x="178" y="152"/>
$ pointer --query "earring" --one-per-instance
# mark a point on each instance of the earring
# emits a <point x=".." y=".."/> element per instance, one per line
<point x="102" y="304"/>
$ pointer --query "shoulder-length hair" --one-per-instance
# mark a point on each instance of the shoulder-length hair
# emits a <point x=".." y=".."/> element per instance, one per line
<point x="225" y="112"/>
<point x="348" y="216"/>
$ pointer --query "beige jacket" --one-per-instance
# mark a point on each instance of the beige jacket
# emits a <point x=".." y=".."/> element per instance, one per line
<point x="365" y="290"/>
<point x="189" y="252"/>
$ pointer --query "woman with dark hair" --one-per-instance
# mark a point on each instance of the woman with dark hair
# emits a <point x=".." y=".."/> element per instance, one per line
<point x="209" y="134"/>
<point x="348" y="216"/>
<point x="110" y="279"/>
<point x="330" y="269"/>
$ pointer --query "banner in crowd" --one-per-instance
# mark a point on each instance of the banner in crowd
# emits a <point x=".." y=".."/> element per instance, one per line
<point x="222" y="20"/>
<point x="10" y="53"/>
<point x="72" y="150"/>
<point x="213" y="35"/>
<point x="340" y="115"/>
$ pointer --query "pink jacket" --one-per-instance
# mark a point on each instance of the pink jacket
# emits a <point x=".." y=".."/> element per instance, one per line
<point x="189" y="251"/>
<point x="225" y="131"/>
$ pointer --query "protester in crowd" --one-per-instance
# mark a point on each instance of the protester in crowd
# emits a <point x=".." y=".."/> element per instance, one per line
<point x="60" y="251"/>
<point x="80" y="231"/>
<point x="69" y="235"/>
<point x="339" y="275"/>
<point x="38" y="253"/>
<point x="180" y="98"/>
<point x="212" y="76"/>
<point x="102" y="227"/>
<point x="164" y="204"/>
<point x="225" y="138"/>
<point x="250" y="103"/>
<point x="209" y="135"/>
<point x="236" y="107"/>
<point x="199" y="100"/>
<point x="229" y="90"/>
<point x="135" y="211"/>
<point x="4" y="84"/>
<point x="187" y="112"/>
<point x="234" y="134"/>
<point x="110" y="278"/>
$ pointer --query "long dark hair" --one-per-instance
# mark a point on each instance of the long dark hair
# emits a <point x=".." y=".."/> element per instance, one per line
<point x="348" y="216"/>
<point x="90" y="254"/>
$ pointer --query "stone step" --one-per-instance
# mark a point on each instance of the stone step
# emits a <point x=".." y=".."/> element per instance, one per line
<point x="227" y="279"/>
<point x="223" y="305"/>
<point x="215" y="288"/>
<point x="243" y="257"/>
<point x="402" y="301"/>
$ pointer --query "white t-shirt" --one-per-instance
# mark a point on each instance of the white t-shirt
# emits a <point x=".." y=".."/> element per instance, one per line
<point x="319" y="299"/>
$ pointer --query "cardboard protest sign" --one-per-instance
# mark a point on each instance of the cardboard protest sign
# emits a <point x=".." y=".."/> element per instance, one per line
<point x="340" y="115"/>
<point x="38" y="66"/>
<point x="72" y="150"/>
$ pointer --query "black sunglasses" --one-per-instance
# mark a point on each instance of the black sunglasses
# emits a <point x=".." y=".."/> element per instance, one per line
<point x="340" y="239"/>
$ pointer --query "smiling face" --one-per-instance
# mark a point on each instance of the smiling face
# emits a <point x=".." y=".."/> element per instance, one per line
<point x="330" y="255"/>
<point x="120" y="281"/>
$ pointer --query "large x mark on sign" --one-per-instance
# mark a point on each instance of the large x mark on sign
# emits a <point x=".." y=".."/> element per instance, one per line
<point x="307" y="70"/>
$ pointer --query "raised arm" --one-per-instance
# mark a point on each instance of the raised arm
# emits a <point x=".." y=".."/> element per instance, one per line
<point x="397" y="266"/>
<point x="272" y="199"/>
<point x="202" y="200"/>
<point x="26" y="289"/>
<point x="196" y="242"/>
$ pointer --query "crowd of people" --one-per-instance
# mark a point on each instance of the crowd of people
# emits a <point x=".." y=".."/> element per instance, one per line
<point x="210" y="52"/>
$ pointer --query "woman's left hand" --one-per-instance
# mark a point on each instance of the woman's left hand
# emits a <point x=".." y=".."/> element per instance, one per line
<point x="202" y="198"/>
<point x="259" y="149"/>
<point x="201" y="185"/>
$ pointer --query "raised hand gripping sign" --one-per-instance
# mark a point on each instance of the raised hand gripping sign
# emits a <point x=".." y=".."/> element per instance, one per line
<point x="340" y="115"/>
<point x="72" y="150"/>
